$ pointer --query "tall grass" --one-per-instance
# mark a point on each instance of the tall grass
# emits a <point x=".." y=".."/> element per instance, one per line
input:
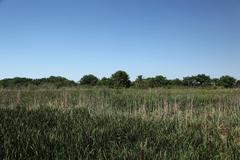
<point x="120" y="124"/>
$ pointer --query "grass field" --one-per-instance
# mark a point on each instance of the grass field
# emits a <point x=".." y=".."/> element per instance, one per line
<point x="120" y="124"/>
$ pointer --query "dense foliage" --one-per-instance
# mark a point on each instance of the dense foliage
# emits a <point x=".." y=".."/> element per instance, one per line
<point x="121" y="79"/>
<point x="199" y="80"/>
<point x="227" y="81"/>
<point x="89" y="80"/>
<point x="52" y="81"/>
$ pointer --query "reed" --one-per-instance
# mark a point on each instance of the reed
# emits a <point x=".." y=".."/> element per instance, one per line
<point x="120" y="124"/>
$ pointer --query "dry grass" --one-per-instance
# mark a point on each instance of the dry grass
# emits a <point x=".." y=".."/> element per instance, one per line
<point x="120" y="124"/>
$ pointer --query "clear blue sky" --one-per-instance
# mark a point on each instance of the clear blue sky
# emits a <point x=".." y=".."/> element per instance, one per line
<point x="70" y="38"/>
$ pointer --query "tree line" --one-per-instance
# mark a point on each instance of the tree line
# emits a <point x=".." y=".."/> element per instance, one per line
<point x="121" y="79"/>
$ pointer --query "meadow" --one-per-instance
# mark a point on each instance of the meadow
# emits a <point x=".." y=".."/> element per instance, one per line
<point x="101" y="123"/>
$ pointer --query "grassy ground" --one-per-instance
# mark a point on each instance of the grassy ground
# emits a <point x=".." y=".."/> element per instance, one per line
<point x="120" y="124"/>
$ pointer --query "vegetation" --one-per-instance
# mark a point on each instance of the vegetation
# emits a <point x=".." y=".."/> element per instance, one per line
<point x="107" y="82"/>
<point x="227" y="81"/>
<point x="238" y="83"/>
<point x="89" y="80"/>
<point x="121" y="79"/>
<point x="51" y="82"/>
<point x="199" y="80"/>
<point x="120" y="124"/>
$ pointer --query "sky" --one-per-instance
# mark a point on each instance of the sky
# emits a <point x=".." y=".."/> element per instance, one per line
<point x="71" y="38"/>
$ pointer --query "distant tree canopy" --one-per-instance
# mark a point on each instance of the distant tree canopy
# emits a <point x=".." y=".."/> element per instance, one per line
<point x="175" y="82"/>
<point x="227" y="81"/>
<point x="55" y="82"/>
<point x="121" y="79"/>
<point x="140" y="82"/>
<point x="90" y="80"/>
<point x="16" y="82"/>
<point x="52" y="81"/>
<point x="158" y="81"/>
<point x="238" y="84"/>
<point x="107" y="82"/>
<point x="199" y="80"/>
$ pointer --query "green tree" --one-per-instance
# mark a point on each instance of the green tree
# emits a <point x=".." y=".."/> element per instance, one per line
<point x="139" y="78"/>
<point x="160" y="81"/>
<point x="215" y="81"/>
<point x="105" y="82"/>
<point x="150" y="82"/>
<point x="44" y="82"/>
<point x="201" y="80"/>
<point x="90" y="80"/>
<point x="55" y="81"/>
<point x="238" y="84"/>
<point x="139" y="82"/>
<point x="120" y="79"/>
<point x="227" y="81"/>
<point x="175" y="82"/>
<point x="189" y="81"/>
<point x="143" y="83"/>
<point x="16" y="82"/>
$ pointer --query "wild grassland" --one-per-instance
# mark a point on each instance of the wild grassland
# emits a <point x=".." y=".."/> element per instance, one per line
<point x="120" y="124"/>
